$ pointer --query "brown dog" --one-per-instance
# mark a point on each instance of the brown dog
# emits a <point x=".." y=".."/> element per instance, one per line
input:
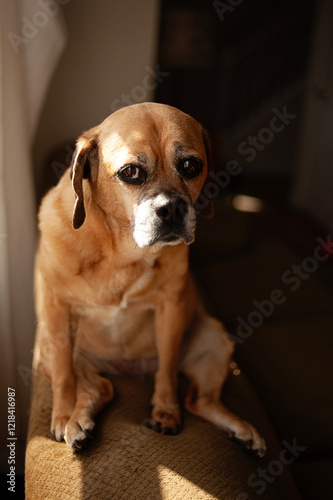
<point x="113" y="289"/>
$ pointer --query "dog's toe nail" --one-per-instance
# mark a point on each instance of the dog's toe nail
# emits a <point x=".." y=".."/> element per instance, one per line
<point x="59" y="438"/>
<point x="170" y="431"/>
<point x="248" y="445"/>
<point x="157" y="427"/>
<point x="230" y="434"/>
<point x="78" y="445"/>
<point x="89" y="433"/>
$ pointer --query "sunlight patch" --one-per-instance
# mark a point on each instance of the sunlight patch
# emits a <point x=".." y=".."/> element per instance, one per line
<point x="172" y="483"/>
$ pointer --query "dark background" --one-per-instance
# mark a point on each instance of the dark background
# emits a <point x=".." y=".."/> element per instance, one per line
<point x="233" y="69"/>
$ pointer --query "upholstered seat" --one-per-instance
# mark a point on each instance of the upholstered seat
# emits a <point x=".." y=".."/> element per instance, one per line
<point x="125" y="460"/>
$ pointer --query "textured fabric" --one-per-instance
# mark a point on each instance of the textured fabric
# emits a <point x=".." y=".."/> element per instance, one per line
<point x="125" y="460"/>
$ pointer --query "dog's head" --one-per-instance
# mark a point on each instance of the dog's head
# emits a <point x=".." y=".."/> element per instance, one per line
<point x="146" y="165"/>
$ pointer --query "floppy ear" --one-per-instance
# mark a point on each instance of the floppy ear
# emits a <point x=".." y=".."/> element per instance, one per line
<point x="207" y="209"/>
<point x="84" y="166"/>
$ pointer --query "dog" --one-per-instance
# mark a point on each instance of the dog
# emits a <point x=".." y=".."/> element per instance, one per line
<point x="113" y="289"/>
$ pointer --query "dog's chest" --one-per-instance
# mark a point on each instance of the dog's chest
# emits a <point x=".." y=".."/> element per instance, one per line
<point x="121" y="316"/>
<point x="116" y="286"/>
<point x="117" y="332"/>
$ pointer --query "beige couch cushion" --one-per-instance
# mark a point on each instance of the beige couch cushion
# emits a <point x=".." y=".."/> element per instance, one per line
<point x="125" y="460"/>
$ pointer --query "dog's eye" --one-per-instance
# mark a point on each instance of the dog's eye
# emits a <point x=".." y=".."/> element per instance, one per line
<point x="190" y="167"/>
<point x="132" y="174"/>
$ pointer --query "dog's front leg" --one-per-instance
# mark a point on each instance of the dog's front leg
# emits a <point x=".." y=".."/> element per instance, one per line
<point x="170" y="326"/>
<point x="60" y="356"/>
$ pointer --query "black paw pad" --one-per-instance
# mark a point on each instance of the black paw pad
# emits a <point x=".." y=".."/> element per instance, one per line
<point x="89" y="433"/>
<point x="79" y="445"/>
<point x="154" y="426"/>
<point x="171" y="431"/>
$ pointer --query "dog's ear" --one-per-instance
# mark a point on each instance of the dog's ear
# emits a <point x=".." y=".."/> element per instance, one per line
<point x="207" y="207"/>
<point x="84" y="166"/>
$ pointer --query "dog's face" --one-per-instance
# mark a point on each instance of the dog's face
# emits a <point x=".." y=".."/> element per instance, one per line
<point x="146" y="165"/>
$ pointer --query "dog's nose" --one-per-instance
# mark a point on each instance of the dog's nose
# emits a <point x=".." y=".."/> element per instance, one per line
<point x="173" y="211"/>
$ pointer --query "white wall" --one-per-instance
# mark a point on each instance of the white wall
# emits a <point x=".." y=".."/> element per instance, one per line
<point x="110" y="44"/>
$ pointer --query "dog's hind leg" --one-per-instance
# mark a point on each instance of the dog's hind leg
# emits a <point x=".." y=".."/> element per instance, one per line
<point x="93" y="393"/>
<point x="205" y="361"/>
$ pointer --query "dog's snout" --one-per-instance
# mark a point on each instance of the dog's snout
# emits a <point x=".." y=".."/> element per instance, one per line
<point x="173" y="211"/>
<point x="166" y="218"/>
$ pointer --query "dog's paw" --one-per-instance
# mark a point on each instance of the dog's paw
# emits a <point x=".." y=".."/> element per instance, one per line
<point x="78" y="432"/>
<point x="246" y="435"/>
<point x="164" y="422"/>
<point x="58" y="426"/>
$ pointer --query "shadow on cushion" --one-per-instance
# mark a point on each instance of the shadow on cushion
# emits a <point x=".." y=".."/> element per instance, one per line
<point x="125" y="460"/>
